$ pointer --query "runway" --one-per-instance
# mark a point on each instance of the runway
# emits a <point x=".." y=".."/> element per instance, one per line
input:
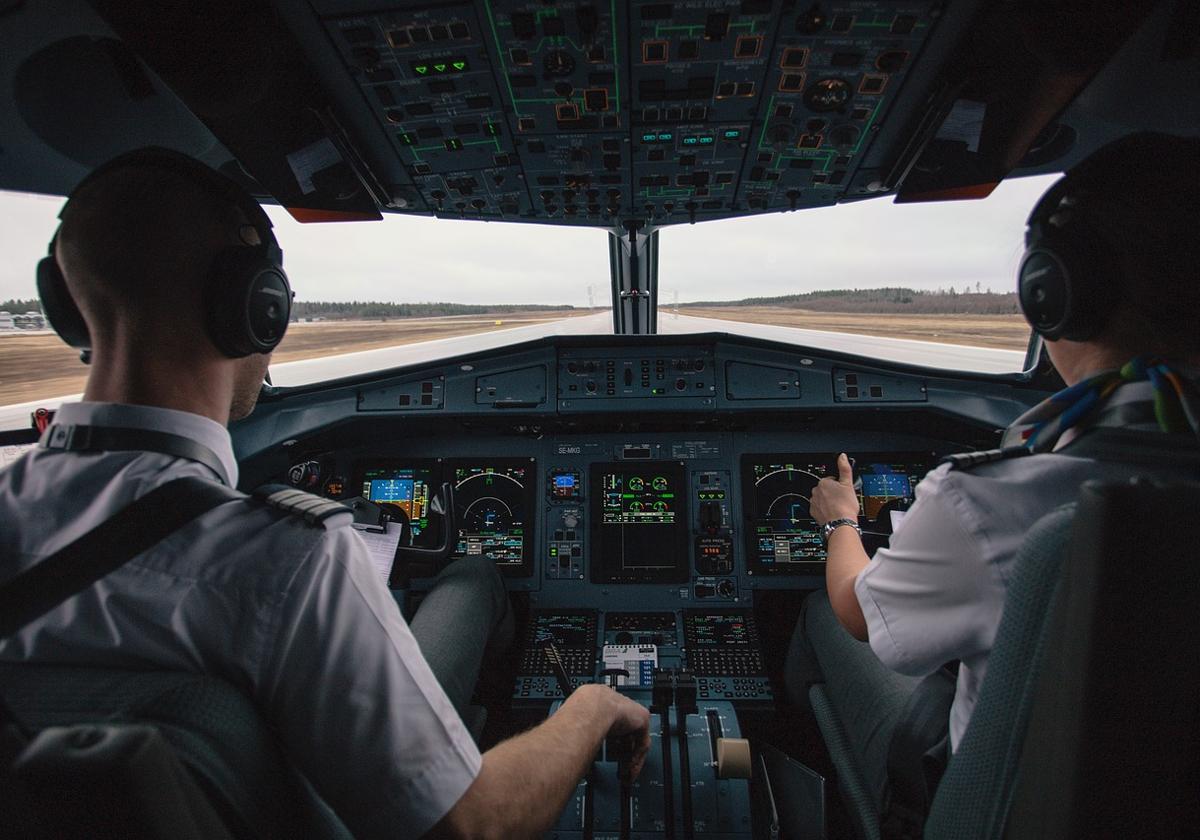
<point x="927" y="353"/>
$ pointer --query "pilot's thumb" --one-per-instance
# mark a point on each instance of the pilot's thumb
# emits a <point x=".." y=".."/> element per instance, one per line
<point x="845" y="474"/>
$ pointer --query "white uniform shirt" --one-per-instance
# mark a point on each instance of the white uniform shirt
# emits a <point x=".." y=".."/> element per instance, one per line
<point x="937" y="592"/>
<point x="297" y="617"/>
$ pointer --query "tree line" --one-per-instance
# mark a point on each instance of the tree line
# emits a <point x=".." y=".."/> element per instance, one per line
<point x="19" y="306"/>
<point x="374" y="310"/>
<point x="355" y="309"/>
<point x="890" y="300"/>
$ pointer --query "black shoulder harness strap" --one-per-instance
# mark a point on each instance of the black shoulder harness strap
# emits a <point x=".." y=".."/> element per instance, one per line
<point x="131" y="531"/>
<point x="113" y="439"/>
<point x="966" y="460"/>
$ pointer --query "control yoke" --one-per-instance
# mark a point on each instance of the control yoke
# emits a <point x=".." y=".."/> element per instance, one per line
<point x="443" y="505"/>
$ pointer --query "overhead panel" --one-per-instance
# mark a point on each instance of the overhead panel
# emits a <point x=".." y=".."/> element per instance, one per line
<point x="591" y="113"/>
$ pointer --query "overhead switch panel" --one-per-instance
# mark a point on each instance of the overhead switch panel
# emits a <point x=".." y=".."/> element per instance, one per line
<point x="588" y="113"/>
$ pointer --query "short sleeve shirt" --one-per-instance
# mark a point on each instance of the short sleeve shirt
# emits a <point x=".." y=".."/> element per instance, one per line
<point x="937" y="592"/>
<point x="295" y="616"/>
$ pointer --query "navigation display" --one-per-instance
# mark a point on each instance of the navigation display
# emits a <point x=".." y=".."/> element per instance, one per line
<point x="404" y="491"/>
<point x="783" y="538"/>
<point x="639" y="522"/>
<point x="494" y="503"/>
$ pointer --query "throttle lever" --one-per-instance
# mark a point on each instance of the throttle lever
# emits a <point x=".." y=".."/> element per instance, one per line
<point x="554" y="657"/>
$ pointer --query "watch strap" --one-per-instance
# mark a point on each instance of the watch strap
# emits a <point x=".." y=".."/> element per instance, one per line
<point x="832" y="525"/>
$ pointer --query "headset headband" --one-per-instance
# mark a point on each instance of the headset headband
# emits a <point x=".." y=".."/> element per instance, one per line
<point x="223" y="187"/>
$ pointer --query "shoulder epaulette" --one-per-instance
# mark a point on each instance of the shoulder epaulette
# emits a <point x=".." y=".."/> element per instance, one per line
<point x="967" y="460"/>
<point x="314" y="510"/>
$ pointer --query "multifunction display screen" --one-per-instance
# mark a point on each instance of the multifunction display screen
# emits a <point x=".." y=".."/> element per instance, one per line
<point x="494" y="503"/>
<point x="405" y="492"/>
<point x="783" y="538"/>
<point x="639" y="522"/>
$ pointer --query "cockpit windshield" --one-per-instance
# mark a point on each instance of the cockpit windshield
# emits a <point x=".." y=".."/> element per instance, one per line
<point x="927" y="284"/>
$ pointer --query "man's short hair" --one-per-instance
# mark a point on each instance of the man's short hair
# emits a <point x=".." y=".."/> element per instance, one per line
<point x="141" y="238"/>
<point x="1141" y="194"/>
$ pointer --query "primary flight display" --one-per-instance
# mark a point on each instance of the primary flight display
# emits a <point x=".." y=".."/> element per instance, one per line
<point x="781" y="535"/>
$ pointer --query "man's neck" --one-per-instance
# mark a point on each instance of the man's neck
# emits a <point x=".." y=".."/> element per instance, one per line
<point x="199" y="388"/>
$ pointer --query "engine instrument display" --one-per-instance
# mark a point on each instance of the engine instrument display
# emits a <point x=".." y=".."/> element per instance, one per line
<point x="493" y="503"/>
<point x="639" y="522"/>
<point x="783" y="538"/>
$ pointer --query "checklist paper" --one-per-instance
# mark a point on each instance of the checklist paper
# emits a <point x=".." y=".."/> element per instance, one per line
<point x="639" y="660"/>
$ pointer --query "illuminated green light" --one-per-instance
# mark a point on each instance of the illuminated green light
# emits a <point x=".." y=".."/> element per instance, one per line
<point x="459" y="65"/>
<point x="665" y="137"/>
<point x="704" y="141"/>
<point x="422" y="69"/>
<point x="441" y="68"/>
<point x="649" y="138"/>
<point x="733" y="134"/>
<point x="690" y="141"/>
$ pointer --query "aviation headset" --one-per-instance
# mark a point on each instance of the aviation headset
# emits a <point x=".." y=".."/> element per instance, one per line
<point x="1069" y="279"/>
<point x="247" y="297"/>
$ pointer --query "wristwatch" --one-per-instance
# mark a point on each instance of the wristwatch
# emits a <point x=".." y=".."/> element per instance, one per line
<point x="832" y="525"/>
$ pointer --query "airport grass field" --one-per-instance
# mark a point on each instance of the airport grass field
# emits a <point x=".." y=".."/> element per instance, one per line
<point x="40" y="366"/>
<point x="1002" y="332"/>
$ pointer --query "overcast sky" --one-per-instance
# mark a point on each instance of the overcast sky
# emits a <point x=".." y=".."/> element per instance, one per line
<point x="406" y="259"/>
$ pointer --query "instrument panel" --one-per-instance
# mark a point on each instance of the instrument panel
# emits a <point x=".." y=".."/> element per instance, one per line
<point x="665" y="473"/>
<point x="646" y="514"/>
<point x="577" y="518"/>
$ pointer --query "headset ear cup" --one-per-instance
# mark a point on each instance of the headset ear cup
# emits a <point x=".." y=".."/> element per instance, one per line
<point x="59" y="307"/>
<point x="248" y="303"/>
<point x="1065" y="290"/>
<point x="1043" y="291"/>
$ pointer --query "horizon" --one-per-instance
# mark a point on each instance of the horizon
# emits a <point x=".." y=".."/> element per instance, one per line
<point x="947" y="291"/>
<point x="873" y="243"/>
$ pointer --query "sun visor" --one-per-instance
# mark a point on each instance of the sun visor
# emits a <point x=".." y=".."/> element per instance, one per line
<point x="90" y="99"/>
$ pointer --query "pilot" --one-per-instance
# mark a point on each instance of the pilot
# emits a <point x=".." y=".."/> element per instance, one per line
<point x="294" y="615"/>
<point x="1109" y="280"/>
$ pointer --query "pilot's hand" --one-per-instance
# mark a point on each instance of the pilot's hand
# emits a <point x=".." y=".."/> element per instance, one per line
<point x="626" y="718"/>
<point x="834" y="498"/>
